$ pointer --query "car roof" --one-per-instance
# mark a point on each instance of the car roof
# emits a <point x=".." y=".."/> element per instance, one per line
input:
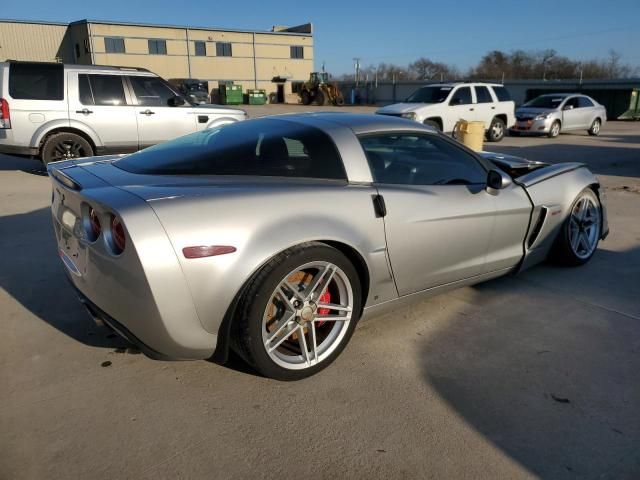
<point x="359" y="123"/>
<point x="455" y="84"/>
<point x="91" y="68"/>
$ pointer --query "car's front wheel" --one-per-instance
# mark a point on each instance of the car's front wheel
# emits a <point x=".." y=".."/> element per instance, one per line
<point x="579" y="236"/>
<point x="594" y="130"/>
<point x="554" y="131"/>
<point x="299" y="312"/>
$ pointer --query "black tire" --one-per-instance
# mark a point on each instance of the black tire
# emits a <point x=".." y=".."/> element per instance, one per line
<point x="433" y="123"/>
<point x="321" y="98"/>
<point x="562" y="252"/>
<point x="340" y="100"/>
<point x="594" y="129"/>
<point x="554" y="131"/>
<point x="496" y="130"/>
<point x="247" y="337"/>
<point x="305" y="97"/>
<point x="65" y="146"/>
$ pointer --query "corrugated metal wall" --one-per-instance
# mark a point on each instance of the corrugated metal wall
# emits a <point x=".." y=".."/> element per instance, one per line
<point x="35" y="42"/>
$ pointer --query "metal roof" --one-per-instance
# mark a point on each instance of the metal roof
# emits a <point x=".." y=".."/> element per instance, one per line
<point x="155" y="25"/>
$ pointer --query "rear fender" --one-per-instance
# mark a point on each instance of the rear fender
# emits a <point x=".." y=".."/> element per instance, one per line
<point x="64" y="124"/>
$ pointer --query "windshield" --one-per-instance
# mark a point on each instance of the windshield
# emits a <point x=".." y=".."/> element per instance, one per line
<point x="429" y="95"/>
<point x="545" y="101"/>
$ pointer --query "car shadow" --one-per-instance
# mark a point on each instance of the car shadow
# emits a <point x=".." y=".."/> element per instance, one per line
<point x="548" y="373"/>
<point x="24" y="164"/>
<point x="33" y="274"/>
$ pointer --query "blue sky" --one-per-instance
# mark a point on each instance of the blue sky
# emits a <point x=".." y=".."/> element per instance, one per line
<point x="457" y="32"/>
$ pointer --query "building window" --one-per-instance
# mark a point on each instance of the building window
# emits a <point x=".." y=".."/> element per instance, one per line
<point x="297" y="51"/>
<point x="158" y="47"/>
<point x="114" y="45"/>
<point x="223" y="49"/>
<point x="296" y="87"/>
<point x="201" y="49"/>
<point x="77" y="51"/>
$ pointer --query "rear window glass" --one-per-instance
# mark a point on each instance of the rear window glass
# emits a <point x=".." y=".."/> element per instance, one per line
<point x="502" y="94"/>
<point x="36" y="81"/>
<point x="263" y="147"/>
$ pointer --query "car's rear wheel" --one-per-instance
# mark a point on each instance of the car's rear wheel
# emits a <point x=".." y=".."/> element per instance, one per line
<point x="554" y="131"/>
<point x="581" y="231"/>
<point x="299" y="312"/>
<point x="594" y="130"/>
<point x="65" y="146"/>
<point x="496" y="130"/>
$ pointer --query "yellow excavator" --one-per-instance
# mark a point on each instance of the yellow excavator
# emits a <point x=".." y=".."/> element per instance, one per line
<point x="318" y="89"/>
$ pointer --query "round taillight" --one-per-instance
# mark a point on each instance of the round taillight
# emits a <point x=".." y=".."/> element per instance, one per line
<point x="94" y="221"/>
<point x="117" y="234"/>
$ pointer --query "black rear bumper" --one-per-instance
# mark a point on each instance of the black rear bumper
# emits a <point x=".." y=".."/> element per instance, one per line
<point x="100" y="315"/>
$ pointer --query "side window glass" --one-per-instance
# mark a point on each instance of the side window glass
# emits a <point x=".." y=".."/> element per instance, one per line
<point x="407" y="159"/>
<point x="584" y="102"/>
<point x="105" y="90"/>
<point x="462" y="96"/>
<point x="483" y="95"/>
<point x="151" y="91"/>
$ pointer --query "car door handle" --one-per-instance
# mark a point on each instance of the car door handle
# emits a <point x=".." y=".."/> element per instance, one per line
<point x="203" y="118"/>
<point x="493" y="108"/>
<point x="471" y="109"/>
<point x="84" y="111"/>
<point x="147" y="112"/>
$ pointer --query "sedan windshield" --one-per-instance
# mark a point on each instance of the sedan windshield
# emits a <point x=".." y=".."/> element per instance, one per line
<point x="545" y="101"/>
<point x="429" y="95"/>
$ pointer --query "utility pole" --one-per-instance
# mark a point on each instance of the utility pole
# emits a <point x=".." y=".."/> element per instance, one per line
<point x="356" y="65"/>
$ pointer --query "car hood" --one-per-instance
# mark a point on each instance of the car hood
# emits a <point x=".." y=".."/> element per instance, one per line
<point x="398" y="108"/>
<point x="533" y="111"/>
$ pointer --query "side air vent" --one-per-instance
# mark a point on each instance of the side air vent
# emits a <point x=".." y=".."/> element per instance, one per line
<point x="537" y="228"/>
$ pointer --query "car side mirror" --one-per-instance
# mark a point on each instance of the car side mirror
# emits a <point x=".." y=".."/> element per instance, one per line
<point x="176" y="101"/>
<point x="497" y="180"/>
<point x="567" y="107"/>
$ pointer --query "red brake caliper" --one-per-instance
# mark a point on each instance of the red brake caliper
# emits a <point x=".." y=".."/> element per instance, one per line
<point x="324" y="298"/>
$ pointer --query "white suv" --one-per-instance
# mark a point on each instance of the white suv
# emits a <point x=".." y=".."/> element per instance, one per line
<point x="56" y="112"/>
<point x="442" y="105"/>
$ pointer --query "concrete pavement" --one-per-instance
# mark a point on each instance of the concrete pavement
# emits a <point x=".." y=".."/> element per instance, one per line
<point x="521" y="377"/>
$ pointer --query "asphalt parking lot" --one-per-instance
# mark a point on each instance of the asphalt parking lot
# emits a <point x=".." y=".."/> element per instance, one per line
<point x="521" y="377"/>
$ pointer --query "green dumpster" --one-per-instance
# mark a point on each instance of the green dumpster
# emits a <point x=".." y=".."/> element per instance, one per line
<point x="230" y="94"/>
<point x="257" y="97"/>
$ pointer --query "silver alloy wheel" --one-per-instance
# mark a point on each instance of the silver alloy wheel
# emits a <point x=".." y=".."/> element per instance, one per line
<point x="584" y="227"/>
<point x="300" y="328"/>
<point x="497" y="130"/>
<point x="555" y="129"/>
<point x="595" y="127"/>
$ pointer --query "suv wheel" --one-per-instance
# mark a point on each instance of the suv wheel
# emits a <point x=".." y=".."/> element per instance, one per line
<point x="496" y="130"/>
<point x="65" y="146"/>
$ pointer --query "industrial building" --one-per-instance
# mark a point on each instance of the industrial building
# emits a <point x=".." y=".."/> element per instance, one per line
<point x="278" y="60"/>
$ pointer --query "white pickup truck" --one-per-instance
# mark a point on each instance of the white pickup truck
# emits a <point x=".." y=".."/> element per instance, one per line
<point x="443" y="105"/>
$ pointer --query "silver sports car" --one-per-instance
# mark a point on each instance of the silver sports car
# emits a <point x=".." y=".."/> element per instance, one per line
<point x="274" y="236"/>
